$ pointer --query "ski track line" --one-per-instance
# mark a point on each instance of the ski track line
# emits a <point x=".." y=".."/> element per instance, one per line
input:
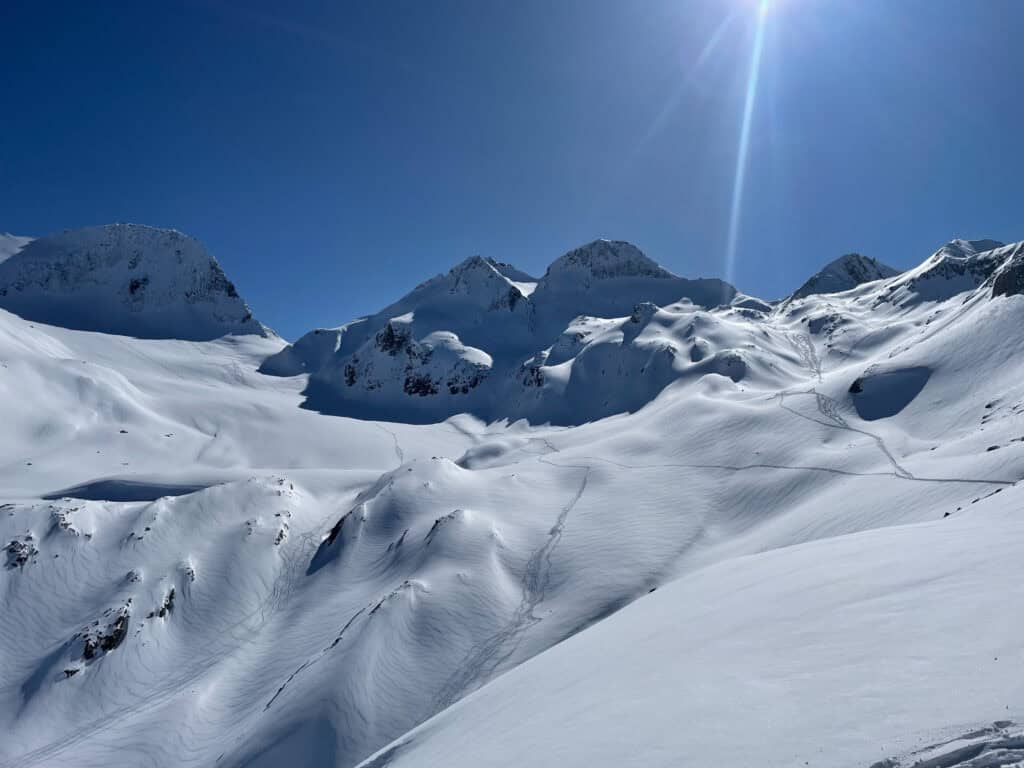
<point x="323" y="652"/>
<point x="798" y="468"/>
<point x="805" y="349"/>
<point x="829" y="409"/>
<point x="485" y="657"/>
<point x="827" y="406"/>
<point x="399" y="453"/>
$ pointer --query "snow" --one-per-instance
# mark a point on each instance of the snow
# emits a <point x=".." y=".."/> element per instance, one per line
<point x="958" y="266"/>
<point x="11" y="244"/>
<point x="203" y="569"/>
<point x="125" y="279"/>
<point x="479" y="339"/>
<point x="842" y="653"/>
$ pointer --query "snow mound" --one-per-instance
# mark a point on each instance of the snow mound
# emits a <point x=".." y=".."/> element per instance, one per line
<point x="310" y="353"/>
<point x="397" y="368"/>
<point x="844" y="273"/>
<point x="125" y="279"/>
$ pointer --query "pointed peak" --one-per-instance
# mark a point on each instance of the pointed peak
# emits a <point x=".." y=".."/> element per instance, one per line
<point x="471" y="264"/>
<point x="603" y="259"/>
<point x="843" y="274"/>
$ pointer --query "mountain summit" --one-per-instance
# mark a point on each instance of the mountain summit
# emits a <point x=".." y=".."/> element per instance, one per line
<point x="126" y="279"/>
<point x="844" y="273"/>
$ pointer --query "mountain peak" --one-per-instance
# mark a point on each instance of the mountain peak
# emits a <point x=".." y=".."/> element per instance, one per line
<point x="844" y="273"/>
<point x="473" y="263"/>
<point x="603" y="259"/>
<point x="128" y="279"/>
<point x="959" y="248"/>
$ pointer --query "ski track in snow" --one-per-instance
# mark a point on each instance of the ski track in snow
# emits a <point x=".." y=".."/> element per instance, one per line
<point x="399" y="453"/>
<point x="828" y="408"/>
<point x="320" y="655"/>
<point x="804" y="346"/>
<point x="486" y="657"/>
<point x="798" y="468"/>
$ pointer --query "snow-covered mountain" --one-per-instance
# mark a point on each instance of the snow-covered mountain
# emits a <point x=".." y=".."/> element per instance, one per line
<point x="125" y="279"/>
<point x="955" y="268"/>
<point x="821" y="495"/>
<point x="477" y="341"/>
<point x="844" y="273"/>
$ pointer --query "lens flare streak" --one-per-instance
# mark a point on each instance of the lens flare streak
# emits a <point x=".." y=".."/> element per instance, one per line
<point x="744" y="143"/>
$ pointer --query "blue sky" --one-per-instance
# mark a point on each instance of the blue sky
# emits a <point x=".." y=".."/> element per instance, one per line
<point x="332" y="155"/>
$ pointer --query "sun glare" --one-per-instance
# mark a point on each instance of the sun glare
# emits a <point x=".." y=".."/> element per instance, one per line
<point x="739" y="177"/>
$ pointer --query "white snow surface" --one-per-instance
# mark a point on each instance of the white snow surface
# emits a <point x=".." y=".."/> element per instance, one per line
<point x="888" y="645"/>
<point x="125" y="279"/>
<point x="200" y="571"/>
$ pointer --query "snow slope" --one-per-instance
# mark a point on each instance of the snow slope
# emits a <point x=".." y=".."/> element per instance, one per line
<point x="201" y="572"/>
<point x="847" y="652"/>
<point x="126" y="279"/>
<point x="11" y="244"/>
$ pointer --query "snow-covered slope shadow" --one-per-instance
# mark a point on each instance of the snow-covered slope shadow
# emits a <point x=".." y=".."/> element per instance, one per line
<point x="879" y="394"/>
<point x="120" y="489"/>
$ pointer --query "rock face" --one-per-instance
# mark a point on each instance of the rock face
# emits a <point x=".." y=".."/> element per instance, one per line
<point x="106" y="634"/>
<point x="844" y="273"/>
<point x="126" y="279"/>
<point x="1009" y="279"/>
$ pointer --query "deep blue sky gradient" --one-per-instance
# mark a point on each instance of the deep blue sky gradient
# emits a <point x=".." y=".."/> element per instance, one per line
<point x="332" y="155"/>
